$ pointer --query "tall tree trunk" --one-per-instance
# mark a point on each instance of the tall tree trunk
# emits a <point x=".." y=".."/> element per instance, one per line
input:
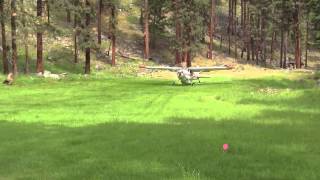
<point x="113" y="39"/>
<point x="188" y="51"/>
<point x="248" y="29"/>
<point x="48" y="11"/>
<point x="251" y="36"/>
<point x="4" y="41"/>
<point x="14" y="36"/>
<point x="75" y="47"/>
<point x="307" y="41"/>
<point x="188" y="57"/>
<point x="141" y="17"/>
<point x="99" y="21"/>
<point x="87" y="49"/>
<point x="25" y="34"/>
<point x="76" y="34"/>
<point x="253" y="48"/>
<point x="113" y="36"/>
<point x="68" y="15"/>
<point x="211" y="28"/>
<point x="285" y="49"/>
<point x="27" y="61"/>
<point x="40" y="68"/>
<point x="178" y="31"/>
<point x="274" y="36"/>
<point x="229" y="26"/>
<point x="297" y="34"/>
<point x="281" y="47"/>
<point x="235" y="29"/>
<point x="242" y="13"/>
<point x="244" y="27"/>
<point x="263" y="37"/>
<point x="146" y="31"/>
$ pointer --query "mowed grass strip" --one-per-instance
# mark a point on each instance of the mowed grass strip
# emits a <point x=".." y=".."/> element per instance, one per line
<point x="138" y="128"/>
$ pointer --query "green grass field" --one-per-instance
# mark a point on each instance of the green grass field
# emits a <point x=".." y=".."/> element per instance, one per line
<point x="108" y="127"/>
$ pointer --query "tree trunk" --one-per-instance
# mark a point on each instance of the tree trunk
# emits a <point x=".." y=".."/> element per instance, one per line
<point x="211" y="27"/>
<point x="113" y="36"/>
<point x="229" y="26"/>
<point x="285" y="49"/>
<point x="146" y="31"/>
<point x="242" y="13"/>
<point x="48" y="11"/>
<point x="76" y="47"/>
<point x="178" y="32"/>
<point x="68" y="15"/>
<point x="234" y="18"/>
<point x="141" y="17"/>
<point x="76" y="34"/>
<point x="263" y="37"/>
<point x="188" y="57"/>
<point x="247" y="25"/>
<point x="188" y="51"/>
<point x="253" y="49"/>
<point x="274" y="36"/>
<point x="27" y="61"/>
<point x="307" y="42"/>
<point x="4" y="41"/>
<point x="281" y="48"/>
<point x="235" y="29"/>
<point x="14" y="37"/>
<point x="25" y="33"/>
<point x="297" y="35"/>
<point x="40" y="68"/>
<point x="99" y="21"/>
<point x="87" y="49"/>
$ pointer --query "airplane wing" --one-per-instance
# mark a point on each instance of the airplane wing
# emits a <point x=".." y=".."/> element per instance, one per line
<point x="174" y="69"/>
<point x="207" y="69"/>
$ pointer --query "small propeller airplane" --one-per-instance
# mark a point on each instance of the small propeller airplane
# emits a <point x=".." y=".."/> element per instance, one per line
<point x="187" y="75"/>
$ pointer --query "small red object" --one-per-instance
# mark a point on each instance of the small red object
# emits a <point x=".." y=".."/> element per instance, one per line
<point x="225" y="147"/>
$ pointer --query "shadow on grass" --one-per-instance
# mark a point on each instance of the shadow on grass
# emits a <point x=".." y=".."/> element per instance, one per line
<point x="179" y="149"/>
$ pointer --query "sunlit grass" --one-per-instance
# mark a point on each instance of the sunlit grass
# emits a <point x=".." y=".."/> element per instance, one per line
<point x="108" y="127"/>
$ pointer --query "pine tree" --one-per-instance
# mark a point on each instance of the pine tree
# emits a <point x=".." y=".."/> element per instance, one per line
<point x="39" y="66"/>
<point x="4" y="37"/>
<point x="87" y="37"/>
<point x="146" y="31"/>
<point x="14" y="37"/>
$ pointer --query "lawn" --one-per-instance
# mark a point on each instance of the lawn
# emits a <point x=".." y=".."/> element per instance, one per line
<point x="108" y="127"/>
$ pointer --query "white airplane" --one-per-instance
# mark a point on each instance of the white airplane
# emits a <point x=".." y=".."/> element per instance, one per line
<point x="188" y="75"/>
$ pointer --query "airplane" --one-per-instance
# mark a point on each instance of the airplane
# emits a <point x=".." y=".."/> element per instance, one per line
<point x="187" y="75"/>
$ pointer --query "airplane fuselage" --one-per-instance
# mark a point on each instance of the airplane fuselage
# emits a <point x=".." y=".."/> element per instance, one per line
<point x="186" y="77"/>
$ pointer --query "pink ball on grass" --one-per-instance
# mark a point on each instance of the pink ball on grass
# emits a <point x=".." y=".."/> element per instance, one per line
<point x="225" y="147"/>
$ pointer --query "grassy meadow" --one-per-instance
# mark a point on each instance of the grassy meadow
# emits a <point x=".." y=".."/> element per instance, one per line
<point x="112" y="127"/>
